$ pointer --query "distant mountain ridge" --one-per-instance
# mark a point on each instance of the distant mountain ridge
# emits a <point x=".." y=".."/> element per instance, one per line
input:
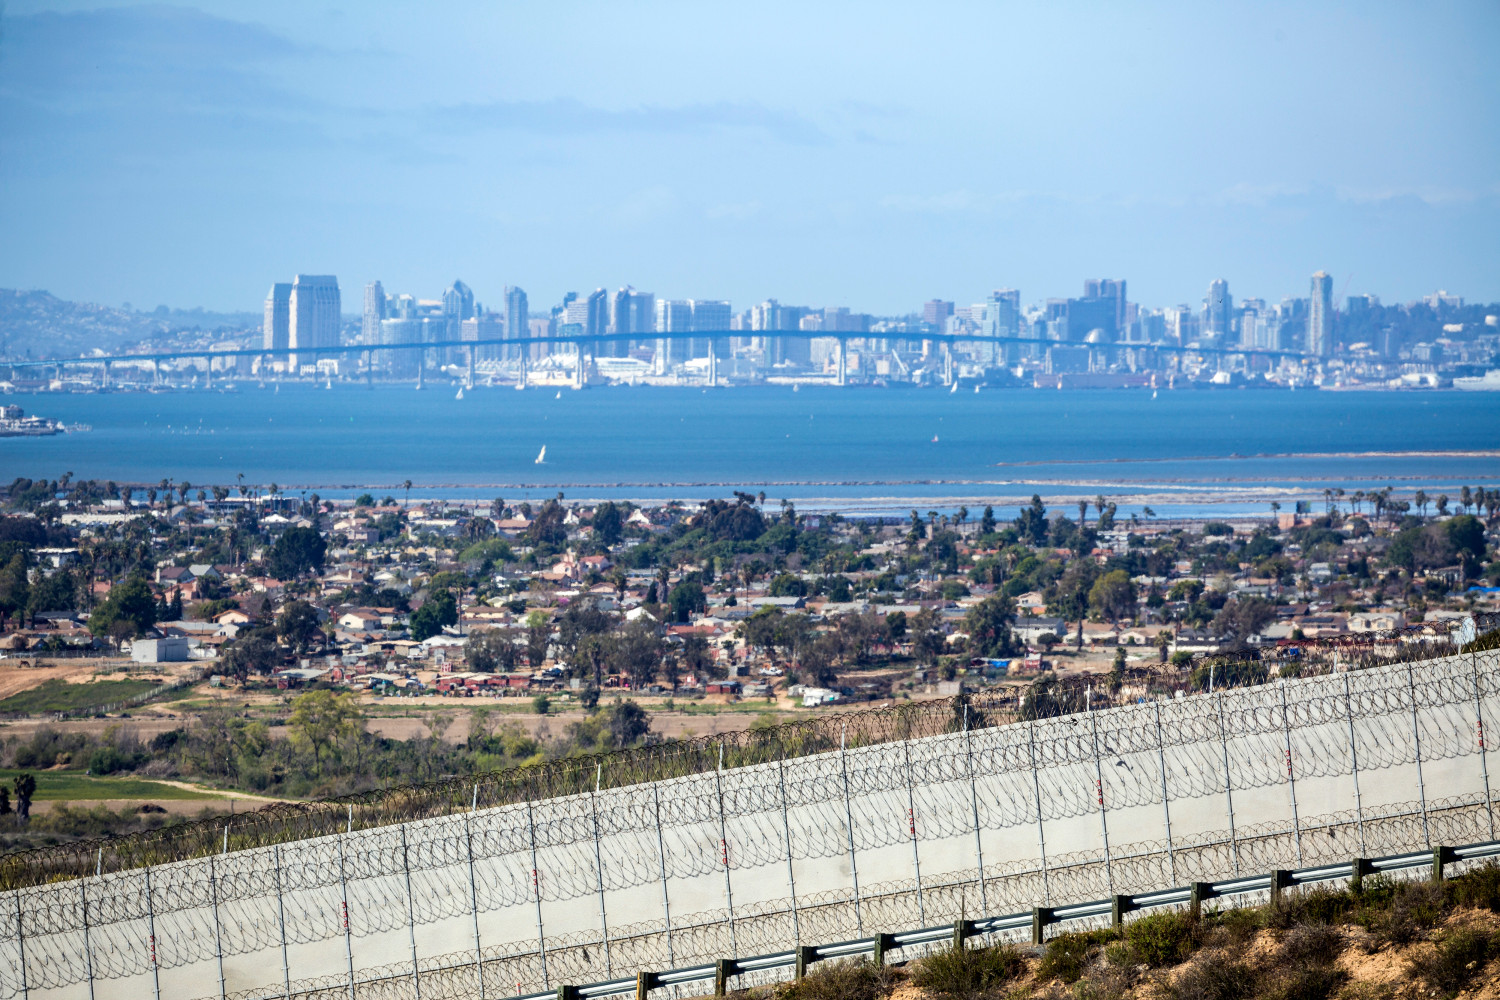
<point x="38" y="324"/>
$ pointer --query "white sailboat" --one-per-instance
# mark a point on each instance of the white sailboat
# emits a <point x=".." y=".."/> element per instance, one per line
<point x="976" y="390"/>
<point x="796" y="387"/>
<point x="559" y="394"/>
<point x="460" y="393"/>
<point x="541" y="456"/>
<point x="954" y="389"/>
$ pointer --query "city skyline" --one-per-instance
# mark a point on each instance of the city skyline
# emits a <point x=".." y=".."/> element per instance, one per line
<point x="1360" y="145"/>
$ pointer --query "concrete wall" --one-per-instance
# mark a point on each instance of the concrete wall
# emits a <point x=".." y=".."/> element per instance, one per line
<point x="818" y="848"/>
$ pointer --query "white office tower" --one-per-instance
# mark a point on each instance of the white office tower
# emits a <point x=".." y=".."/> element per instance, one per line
<point x="315" y="317"/>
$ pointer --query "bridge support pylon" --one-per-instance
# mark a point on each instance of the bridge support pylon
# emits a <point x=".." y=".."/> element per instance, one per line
<point x="841" y="372"/>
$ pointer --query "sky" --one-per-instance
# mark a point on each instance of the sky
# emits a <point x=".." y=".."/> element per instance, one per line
<point x="864" y="154"/>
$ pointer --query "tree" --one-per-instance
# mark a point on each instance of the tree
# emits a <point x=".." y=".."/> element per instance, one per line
<point x="988" y="627"/>
<point x="987" y="521"/>
<point x="1032" y="524"/>
<point x="895" y="626"/>
<point x="538" y="638"/>
<point x="24" y="786"/>
<point x="636" y="651"/>
<point x="321" y="718"/>
<point x="14" y="588"/>
<point x="686" y="598"/>
<point x="128" y="611"/>
<point x="490" y="650"/>
<point x="1113" y="596"/>
<point x="548" y="527"/>
<point x="250" y="653"/>
<point x="438" y="610"/>
<point x="608" y="524"/>
<point x="627" y="724"/>
<point x="297" y="626"/>
<point x="297" y="551"/>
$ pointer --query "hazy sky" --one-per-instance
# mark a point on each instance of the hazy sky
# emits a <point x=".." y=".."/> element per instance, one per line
<point x="856" y="154"/>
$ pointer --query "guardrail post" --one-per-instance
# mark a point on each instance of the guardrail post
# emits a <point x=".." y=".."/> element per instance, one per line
<point x="883" y="944"/>
<point x="806" y="955"/>
<point x="1118" y="906"/>
<point x="1280" y="879"/>
<point x="1041" y="916"/>
<point x="723" y="969"/>
<point x="961" y="930"/>
<point x="567" y="993"/>
<point x="1358" y="869"/>
<point x="1441" y="856"/>
<point x="645" y="982"/>
<point x="1198" y="892"/>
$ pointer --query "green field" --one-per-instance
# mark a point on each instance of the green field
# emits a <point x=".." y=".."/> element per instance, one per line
<point x="75" y="786"/>
<point x="60" y="696"/>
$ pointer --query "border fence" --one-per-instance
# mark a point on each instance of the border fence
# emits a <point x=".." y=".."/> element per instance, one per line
<point x="1047" y="797"/>
<point x="1045" y="697"/>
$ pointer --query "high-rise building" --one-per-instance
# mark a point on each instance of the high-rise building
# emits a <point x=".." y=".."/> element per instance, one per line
<point x="314" y="310"/>
<point x="277" y="332"/>
<point x="711" y="314"/>
<point x="1320" y="316"/>
<point x="517" y="325"/>
<point x="374" y="313"/>
<point x="1110" y="290"/>
<point x="630" y="311"/>
<point x="1002" y="318"/>
<point x="935" y="313"/>
<point x="1218" y="309"/>
<point x="458" y="301"/>
<point x="672" y="316"/>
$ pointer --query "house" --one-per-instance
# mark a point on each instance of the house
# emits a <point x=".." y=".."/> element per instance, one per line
<point x="360" y="620"/>
<point x="234" y="616"/>
<point x="723" y="687"/>
<point x="1376" y="621"/>
<point x="1031" y="630"/>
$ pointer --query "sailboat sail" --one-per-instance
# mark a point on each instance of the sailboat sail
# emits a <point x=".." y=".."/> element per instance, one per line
<point x="541" y="456"/>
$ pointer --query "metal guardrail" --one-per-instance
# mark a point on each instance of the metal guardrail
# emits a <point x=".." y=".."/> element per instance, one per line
<point x="1038" y="919"/>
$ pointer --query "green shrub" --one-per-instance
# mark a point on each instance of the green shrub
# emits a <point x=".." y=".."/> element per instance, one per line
<point x="1216" y="976"/>
<point x="855" y="979"/>
<point x="1415" y="908"/>
<point x="1066" y="957"/>
<point x="1308" y="982"/>
<point x="1161" y="939"/>
<point x="1236" y="925"/>
<point x="1479" y="888"/>
<point x="970" y="971"/>
<point x="1312" y="944"/>
<point x="1458" y="958"/>
<point x="1319" y="905"/>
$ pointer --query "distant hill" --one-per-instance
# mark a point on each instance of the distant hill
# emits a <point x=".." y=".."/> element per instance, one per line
<point x="38" y="324"/>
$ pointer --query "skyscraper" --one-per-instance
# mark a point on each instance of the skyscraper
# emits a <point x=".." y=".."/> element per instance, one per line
<point x="630" y="311"/>
<point x="1218" y="308"/>
<point x="374" y="313"/>
<point x="517" y="323"/>
<point x="935" y="313"/>
<point x="672" y="316"/>
<point x="1320" y="316"/>
<point x="314" y="309"/>
<point x="711" y="314"/>
<point x="278" y="326"/>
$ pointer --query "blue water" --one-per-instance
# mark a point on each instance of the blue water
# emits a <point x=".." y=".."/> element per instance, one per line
<point x="856" y="449"/>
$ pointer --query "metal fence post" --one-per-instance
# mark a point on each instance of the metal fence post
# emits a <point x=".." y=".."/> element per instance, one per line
<point x="21" y="942"/>
<point x="344" y="904"/>
<point x="724" y="849"/>
<point x="661" y="853"/>
<point x="1166" y="807"/>
<point x="150" y="931"/>
<point x="849" y="825"/>
<point x="1359" y="807"/>
<point x="786" y="830"/>
<point x="1234" y="846"/>
<point x="1484" y="763"/>
<point x="286" y="968"/>
<point x="598" y="872"/>
<point x="984" y="902"/>
<point x="536" y="889"/>
<point x="1041" y="834"/>
<point x="1291" y="779"/>
<point x="1416" y="736"/>
<point x="88" y="950"/>
<point x="911" y="819"/>
<point x="1088" y="702"/>
<point x="213" y="889"/>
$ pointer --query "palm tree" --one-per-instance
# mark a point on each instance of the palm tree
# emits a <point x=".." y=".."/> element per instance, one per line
<point x="407" y="487"/>
<point x="1421" y="500"/>
<point x="1083" y="513"/>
